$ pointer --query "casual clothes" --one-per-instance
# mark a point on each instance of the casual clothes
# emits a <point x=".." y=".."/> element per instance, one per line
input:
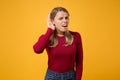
<point x="62" y="58"/>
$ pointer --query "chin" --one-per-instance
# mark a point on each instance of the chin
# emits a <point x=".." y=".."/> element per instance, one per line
<point x="63" y="30"/>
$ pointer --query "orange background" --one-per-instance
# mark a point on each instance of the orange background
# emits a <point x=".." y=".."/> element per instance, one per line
<point x="23" y="21"/>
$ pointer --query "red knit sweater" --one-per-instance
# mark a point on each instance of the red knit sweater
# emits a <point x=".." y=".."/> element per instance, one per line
<point x="62" y="58"/>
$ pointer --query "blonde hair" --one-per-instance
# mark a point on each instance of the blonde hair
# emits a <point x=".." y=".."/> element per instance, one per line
<point x="67" y="34"/>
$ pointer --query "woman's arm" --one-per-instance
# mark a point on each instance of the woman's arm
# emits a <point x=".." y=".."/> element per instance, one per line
<point x="43" y="41"/>
<point x="79" y="58"/>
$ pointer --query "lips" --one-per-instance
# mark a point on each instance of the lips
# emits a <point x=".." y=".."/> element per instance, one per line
<point x="64" y="25"/>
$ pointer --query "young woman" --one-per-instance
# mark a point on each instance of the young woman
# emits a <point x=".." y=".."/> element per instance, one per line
<point x="64" y="48"/>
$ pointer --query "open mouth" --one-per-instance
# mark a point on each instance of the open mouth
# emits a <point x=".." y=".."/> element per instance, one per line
<point x="64" y="26"/>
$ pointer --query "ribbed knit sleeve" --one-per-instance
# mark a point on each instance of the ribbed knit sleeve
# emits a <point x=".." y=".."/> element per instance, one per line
<point x="43" y="41"/>
<point x="79" y="58"/>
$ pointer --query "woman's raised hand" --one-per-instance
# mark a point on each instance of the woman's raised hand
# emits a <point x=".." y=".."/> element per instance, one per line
<point x="49" y="23"/>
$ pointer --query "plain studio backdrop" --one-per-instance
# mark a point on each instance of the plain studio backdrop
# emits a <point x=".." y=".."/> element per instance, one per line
<point x="23" y="21"/>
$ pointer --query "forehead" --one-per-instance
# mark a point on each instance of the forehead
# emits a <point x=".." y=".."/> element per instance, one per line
<point x="61" y="14"/>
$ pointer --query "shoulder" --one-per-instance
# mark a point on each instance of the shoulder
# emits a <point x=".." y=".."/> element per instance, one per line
<point x="77" y="37"/>
<point x="76" y="34"/>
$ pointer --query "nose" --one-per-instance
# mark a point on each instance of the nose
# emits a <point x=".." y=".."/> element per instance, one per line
<point x="65" y="20"/>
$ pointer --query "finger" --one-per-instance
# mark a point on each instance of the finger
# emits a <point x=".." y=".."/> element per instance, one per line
<point x="48" y="17"/>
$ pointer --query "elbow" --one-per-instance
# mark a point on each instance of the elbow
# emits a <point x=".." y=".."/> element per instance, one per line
<point x="36" y="50"/>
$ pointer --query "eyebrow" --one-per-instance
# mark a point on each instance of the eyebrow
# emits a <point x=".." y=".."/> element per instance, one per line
<point x="65" y="17"/>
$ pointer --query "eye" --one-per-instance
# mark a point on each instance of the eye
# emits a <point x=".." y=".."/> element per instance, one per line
<point x="66" y="17"/>
<point x="60" y="18"/>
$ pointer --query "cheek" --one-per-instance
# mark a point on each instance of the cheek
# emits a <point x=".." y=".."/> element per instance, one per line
<point x="57" y="23"/>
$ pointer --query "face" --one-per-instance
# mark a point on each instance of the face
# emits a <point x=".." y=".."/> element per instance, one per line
<point x="61" y="21"/>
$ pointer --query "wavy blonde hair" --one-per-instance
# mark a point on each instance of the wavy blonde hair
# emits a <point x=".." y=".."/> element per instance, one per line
<point x="67" y="34"/>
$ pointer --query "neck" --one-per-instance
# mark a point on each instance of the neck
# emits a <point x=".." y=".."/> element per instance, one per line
<point x="60" y="33"/>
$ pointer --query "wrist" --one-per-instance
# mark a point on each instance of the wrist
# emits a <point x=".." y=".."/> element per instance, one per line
<point x="51" y="27"/>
